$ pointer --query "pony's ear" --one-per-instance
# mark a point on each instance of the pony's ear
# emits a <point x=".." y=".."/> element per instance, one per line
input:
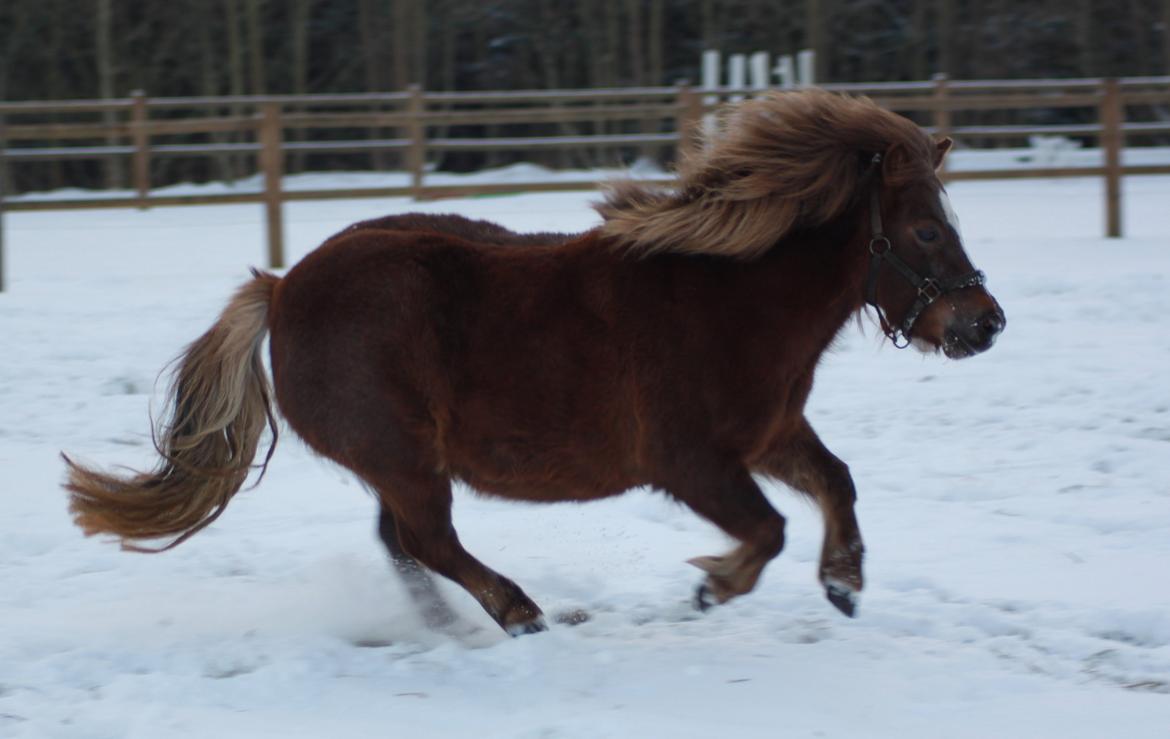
<point x="895" y="161"/>
<point x="942" y="146"/>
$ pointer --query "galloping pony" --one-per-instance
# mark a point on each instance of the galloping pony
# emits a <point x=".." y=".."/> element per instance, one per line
<point x="672" y="346"/>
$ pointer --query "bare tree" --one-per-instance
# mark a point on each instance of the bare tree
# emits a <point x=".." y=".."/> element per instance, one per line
<point x="916" y="50"/>
<point x="1166" y="36"/>
<point x="655" y="31"/>
<point x="1087" y="31"/>
<point x="301" y="13"/>
<point x="946" y="37"/>
<point x="419" y="34"/>
<point x="105" y="65"/>
<point x="402" y="29"/>
<point x="634" y="41"/>
<point x="256" y="48"/>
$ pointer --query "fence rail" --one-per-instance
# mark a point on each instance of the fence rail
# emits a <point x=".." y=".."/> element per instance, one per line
<point x="421" y="122"/>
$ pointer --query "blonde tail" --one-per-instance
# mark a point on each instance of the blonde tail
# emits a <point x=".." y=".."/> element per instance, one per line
<point x="220" y="404"/>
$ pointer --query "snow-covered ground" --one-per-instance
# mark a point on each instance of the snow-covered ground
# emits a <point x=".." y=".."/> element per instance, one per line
<point x="1016" y="508"/>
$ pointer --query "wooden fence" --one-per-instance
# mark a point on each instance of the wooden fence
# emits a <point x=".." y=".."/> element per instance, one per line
<point x="665" y="117"/>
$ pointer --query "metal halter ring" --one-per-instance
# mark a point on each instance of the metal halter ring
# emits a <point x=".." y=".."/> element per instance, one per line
<point x="879" y="240"/>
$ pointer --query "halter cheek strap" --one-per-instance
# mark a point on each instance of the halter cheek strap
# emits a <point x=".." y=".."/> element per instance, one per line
<point x="929" y="289"/>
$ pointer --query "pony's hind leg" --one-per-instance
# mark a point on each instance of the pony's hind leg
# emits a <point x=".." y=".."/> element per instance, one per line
<point x="436" y="613"/>
<point x="727" y="496"/>
<point x="806" y="465"/>
<point x="421" y="514"/>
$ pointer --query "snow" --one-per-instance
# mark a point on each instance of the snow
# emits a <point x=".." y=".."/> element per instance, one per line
<point x="1015" y="506"/>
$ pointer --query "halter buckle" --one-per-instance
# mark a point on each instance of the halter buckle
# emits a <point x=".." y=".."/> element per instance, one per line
<point x="876" y="247"/>
<point x="930" y="290"/>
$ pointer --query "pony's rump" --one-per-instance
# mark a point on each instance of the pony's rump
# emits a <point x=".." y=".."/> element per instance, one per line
<point x="219" y="406"/>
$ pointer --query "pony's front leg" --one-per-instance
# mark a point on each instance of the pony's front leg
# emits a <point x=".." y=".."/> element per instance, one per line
<point x="804" y="463"/>
<point x="727" y="496"/>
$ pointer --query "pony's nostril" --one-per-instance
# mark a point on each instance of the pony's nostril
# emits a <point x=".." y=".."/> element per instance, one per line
<point x="992" y="323"/>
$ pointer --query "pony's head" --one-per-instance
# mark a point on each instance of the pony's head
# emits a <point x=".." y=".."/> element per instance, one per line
<point x="919" y="279"/>
<point x="790" y="162"/>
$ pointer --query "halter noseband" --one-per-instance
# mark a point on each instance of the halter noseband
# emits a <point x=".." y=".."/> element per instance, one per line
<point x="929" y="289"/>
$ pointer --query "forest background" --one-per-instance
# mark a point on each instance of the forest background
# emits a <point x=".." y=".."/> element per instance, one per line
<point x="66" y="49"/>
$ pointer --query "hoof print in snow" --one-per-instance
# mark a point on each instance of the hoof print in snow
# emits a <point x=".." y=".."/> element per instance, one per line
<point x="573" y="617"/>
<point x="372" y="643"/>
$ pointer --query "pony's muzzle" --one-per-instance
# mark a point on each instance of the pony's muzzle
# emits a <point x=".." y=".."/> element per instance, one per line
<point x="977" y="336"/>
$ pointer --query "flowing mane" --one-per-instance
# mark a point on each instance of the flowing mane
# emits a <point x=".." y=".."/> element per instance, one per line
<point x="781" y="162"/>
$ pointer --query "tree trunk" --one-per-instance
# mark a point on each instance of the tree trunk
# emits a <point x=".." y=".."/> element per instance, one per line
<point x="235" y="71"/>
<point x="708" y="23"/>
<point x="816" y="11"/>
<point x="634" y="41"/>
<point x="946" y="38"/>
<point x="301" y="12"/>
<point x="591" y="21"/>
<point x="1140" y="59"/>
<point x="402" y="76"/>
<point x="1087" y="36"/>
<point x="105" y="66"/>
<point x="613" y="25"/>
<point x="655" y="77"/>
<point x="256" y="48"/>
<point x="369" y="20"/>
<point x="221" y="168"/>
<point x="655" y="43"/>
<point x="368" y="27"/>
<point x="449" y="22"/>
<point x="420" y="33"/>
<point x="919" y="42"/>
<point x="1165" y="36"/>
<point x="56" y="89"/>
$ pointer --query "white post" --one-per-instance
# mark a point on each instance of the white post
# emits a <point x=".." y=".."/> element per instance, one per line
<point x="711" y="74"/>
<point x="786" y="72"/>
<point x="758" y="69"/>
<point x="806" y="67"/>
<point x="736" y="75"/>
<point x="711" y="69"/>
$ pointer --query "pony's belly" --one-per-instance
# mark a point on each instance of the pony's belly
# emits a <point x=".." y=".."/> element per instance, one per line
<point x="542" y="490"/>
<point x="544" y="473"/>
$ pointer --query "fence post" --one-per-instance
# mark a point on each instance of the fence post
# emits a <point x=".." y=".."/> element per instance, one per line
<point x="141" y="147"/>
<point x="272" y="164"/>
<point x="1111" y="144"/>
<point x="689" y="119"/>
<point x="417" y="154"/>
<point x="942" y="115"/>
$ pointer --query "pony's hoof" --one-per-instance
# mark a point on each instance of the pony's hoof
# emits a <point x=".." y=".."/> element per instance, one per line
<point x="843" y="597"/>
<point x="704" y="598"/>
<point x="533" y="626"/>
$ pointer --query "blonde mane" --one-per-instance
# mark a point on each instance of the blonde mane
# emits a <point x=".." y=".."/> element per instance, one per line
<point x="781" y="162"/>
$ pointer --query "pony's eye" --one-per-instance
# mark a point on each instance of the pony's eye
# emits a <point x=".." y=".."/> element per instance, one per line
<point x="926" y="234"/>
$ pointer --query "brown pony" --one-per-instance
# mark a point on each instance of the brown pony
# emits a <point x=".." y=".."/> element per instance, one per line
<point x="673" y="346"/>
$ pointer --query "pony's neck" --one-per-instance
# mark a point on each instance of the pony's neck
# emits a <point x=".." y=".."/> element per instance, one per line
<point x="826" y="266"/>
<point x="807" y="288"/>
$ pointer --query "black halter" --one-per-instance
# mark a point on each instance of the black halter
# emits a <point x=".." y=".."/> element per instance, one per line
<point x="929" y="289"/>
